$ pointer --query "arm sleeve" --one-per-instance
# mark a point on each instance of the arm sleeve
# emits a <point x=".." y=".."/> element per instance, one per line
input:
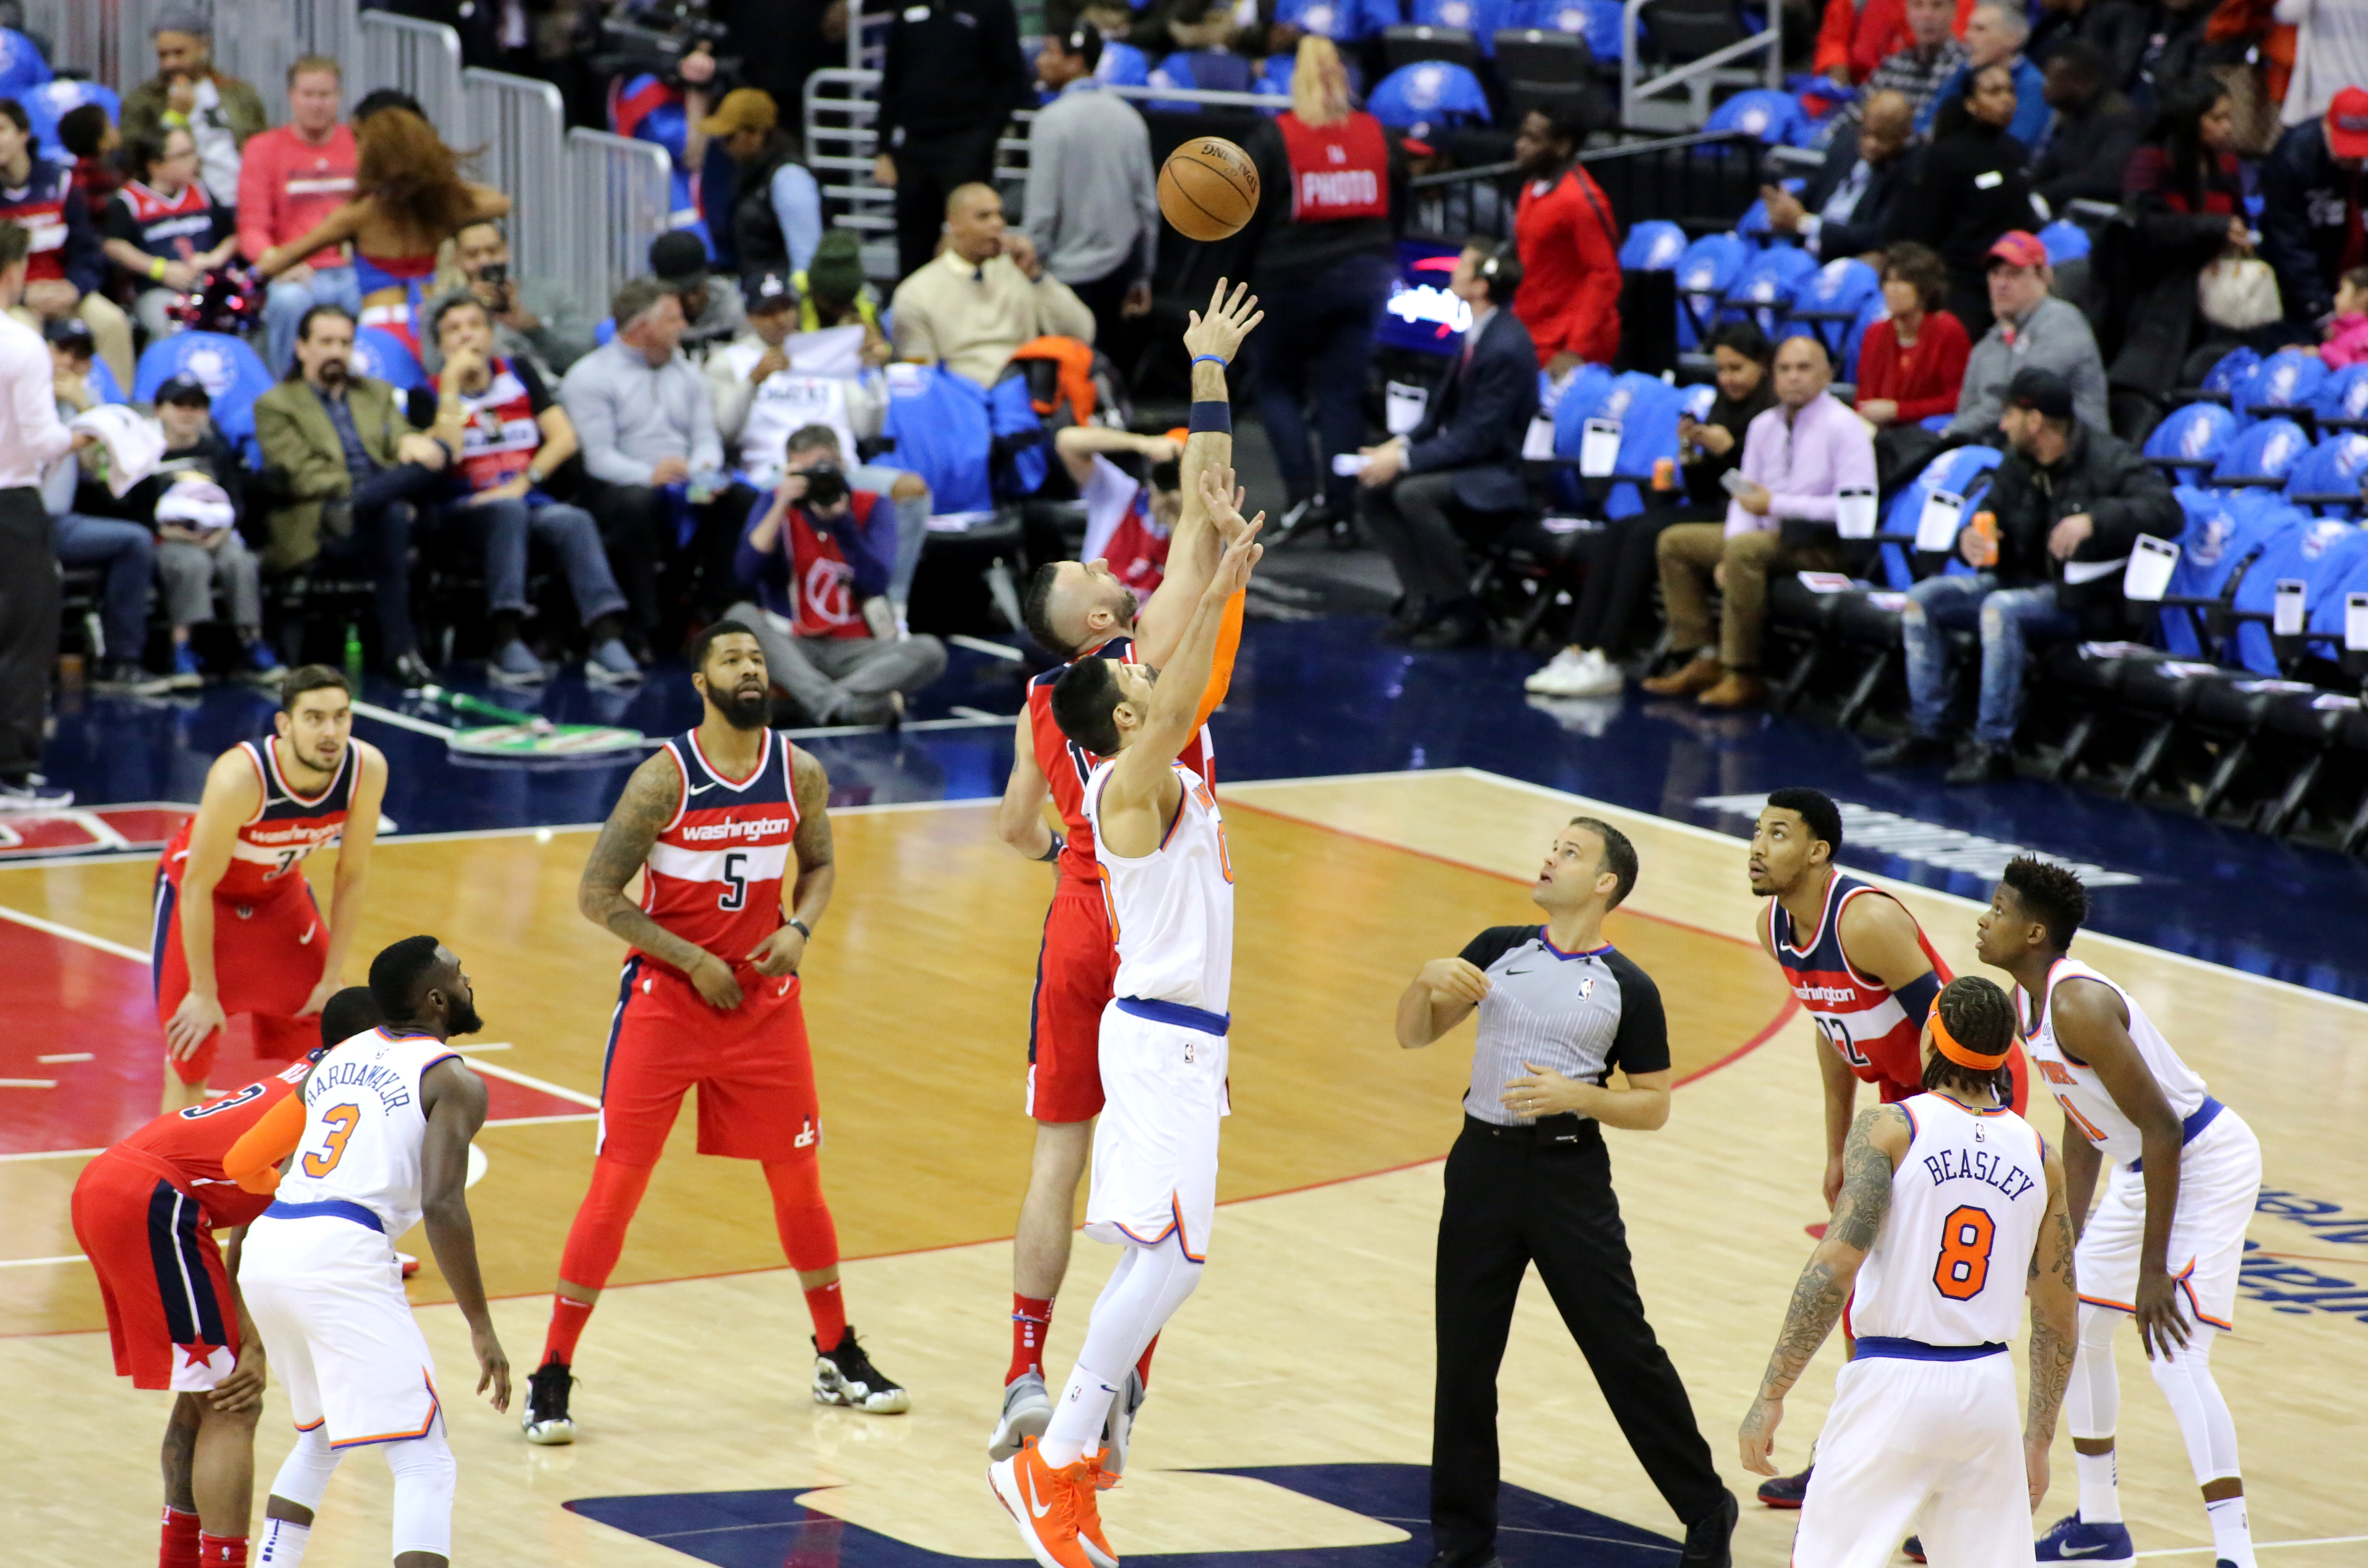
<point x="1220" y="668"/>
<point x="253" y="1161"/>
<point x="1001" y="46"/>
<point x="891" y="117"/>
<point x="1834" y="37"/>
<point x="915" y="338"/>
<point x="1146" y="204"/>
<point x="761" y="568"/>
<point x="797" y="207"/>
<point x="1916" y="997"/>
<point x="1641" y="1042"/>
<point x="1495" y="943"/>
<point x="31" y="390"/>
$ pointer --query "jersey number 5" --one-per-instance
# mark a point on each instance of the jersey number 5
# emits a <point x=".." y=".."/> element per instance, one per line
<point x="341" y="1121"/>
<point x="735" y="882"/>
<point x="1964" y="1265"/>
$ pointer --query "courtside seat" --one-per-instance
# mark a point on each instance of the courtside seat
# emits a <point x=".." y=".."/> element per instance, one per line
<point x="1478" y="20"/>
<point x="1705" y="272"/>
<point x="2220" y="382"/>
<point x="1596" y="21"/>
<point x="1762" y="292"/>
<point x="2286" y="383"/>
<point x="1828" y="302"/>
<point x="1653" y="246"/>
<point x="2262" y="457"/>
<point x="1775" y="118"/>
<point x="2327" y="478"/>
<point x="2190" y="442"/>
<point x="2065" y="241"/>
<point x="2342" y="401"/>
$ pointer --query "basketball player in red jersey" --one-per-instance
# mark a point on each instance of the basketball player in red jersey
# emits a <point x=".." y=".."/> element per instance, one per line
<point x="237" y="929"/>
<point x="1077" y="609"/>
<point x="710" y="996"/>
<point x="145" y="1212"/>
<point x="1863" y="971"/>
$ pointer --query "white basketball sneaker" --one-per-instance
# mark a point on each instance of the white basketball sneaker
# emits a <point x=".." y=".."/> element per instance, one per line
<point x="1027" y="1411"/>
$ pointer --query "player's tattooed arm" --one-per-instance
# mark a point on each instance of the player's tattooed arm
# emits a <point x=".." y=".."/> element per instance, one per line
<point x="651" y="798"/>
<point x="2054" y="1311"/>
<point x="817" y="870"/>
<point x="1876" y="1138"/>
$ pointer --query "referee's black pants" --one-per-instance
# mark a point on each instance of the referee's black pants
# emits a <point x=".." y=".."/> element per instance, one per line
<point x="1514" y="1199"/>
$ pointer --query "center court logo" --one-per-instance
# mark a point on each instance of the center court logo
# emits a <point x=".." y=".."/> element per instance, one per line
<point x="1929" y="843"/>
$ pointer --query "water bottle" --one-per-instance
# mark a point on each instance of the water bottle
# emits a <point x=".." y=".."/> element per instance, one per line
<point x="353" y="651"/>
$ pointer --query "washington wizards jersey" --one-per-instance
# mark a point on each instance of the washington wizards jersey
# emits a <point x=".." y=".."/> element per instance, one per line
<point x="1857" y="1013"/>
<point x="1066" y="765"/>
<point x="284" y="829"/>
<point x="714" y="875"/>
<point x="194" y="1141"/>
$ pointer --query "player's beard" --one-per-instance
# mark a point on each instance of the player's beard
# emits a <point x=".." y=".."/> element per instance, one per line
<point x="465" y="1020"/>
<point x="746" y="708"/>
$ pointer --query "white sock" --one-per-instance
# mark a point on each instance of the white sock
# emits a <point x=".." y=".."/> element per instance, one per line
<point x="283" y="1544"/>
<point x="2100" y="1495"/>
<point x="1077" y="1418"/>
<point x="2232" y="1533"/>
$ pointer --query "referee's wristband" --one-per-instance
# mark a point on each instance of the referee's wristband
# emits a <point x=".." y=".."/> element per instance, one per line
<point x="803" y="930"/>
<point x="1210" y="417"/>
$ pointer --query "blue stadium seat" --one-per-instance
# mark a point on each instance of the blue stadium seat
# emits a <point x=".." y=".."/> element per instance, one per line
<point x="22" y="69"/>
<point x="2220" y="382"/>
<point x="2192" y="438"/>
<point x="1696" y="400"/>
<point x="1764" y="290"/>
<point x="2065" y="241"/>
<point x="2223" y="532"/>
<point x="1598" y="21"/>
<point x="1647" y="408"/>
<point x="2342" y="399"/>
<point x="2316" y="551"/>
<point x="230" y="372"/>
<point x="2327" y="477"/>
<point x="2326" y="612"/>
<point x="1342" y="21"/>
<point x="1429" y="93"/>
<point x="1704" y="272"/>
<point x="1208" y="71"/>
<point x="1773" y="118"/>
<point x="1123" y="65"/>
<point x="53" y="100"/>
<point x="103" y="384"/>
<point x="2262" y="457"/>
<point x="1963" y="472"/>
<point x="1479" y="18"/>
<point x="1653" y="246"/>
<point x="2286" y="381"/>
<point x="386" y="357"/>
<point x="1827" y="303"/>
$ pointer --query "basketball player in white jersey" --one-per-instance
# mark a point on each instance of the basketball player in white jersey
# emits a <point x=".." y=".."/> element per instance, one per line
<point x="1161" y="846"/>
<point x="2166" y="1241"/>
<point x="389" y="1116"/>
<point x="1949" y="1202"/>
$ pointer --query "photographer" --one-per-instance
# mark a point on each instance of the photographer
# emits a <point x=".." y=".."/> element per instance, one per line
<point x="817" y="561"/>
<point x="164" y="229"/>
<point x="533" y="319"/>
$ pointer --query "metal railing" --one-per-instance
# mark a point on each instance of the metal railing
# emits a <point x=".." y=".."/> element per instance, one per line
<point x="75" y="31"/>
<point x="521" y="123"/>
<point x="619" y="196"/>
<point x="421" y="58"/>
<point x="1645" y="102"/>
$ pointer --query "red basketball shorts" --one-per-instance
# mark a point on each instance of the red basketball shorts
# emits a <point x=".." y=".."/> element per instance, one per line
<point x="752" y="1066"/>
<point x="1074" y="971"/>
<point x="267" y="959"/>
<point x="168" y="1300"/>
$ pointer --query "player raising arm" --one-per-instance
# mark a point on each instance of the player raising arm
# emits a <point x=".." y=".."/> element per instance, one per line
<point x="1944" y="1195"/>
<point x="237" y="929"/>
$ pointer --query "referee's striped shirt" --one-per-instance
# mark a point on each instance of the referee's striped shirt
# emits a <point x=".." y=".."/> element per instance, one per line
<point x="1579" y="1014"/>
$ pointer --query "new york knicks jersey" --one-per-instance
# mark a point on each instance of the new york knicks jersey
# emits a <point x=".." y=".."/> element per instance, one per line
<point x="364" y="1128"/>
<point x="1066" y="765"/>
<point x="1950" y="1263"/>
<point x="714" y="875"/>
<point x="2088" y="1105"/>
<point x="1858" y="1017"/>
<point x="283" y="831"/>
<point x="1171" y="912"/>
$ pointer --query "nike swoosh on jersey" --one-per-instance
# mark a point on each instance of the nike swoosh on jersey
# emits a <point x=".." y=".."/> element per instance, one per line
<point x="305" y="940"/>
<point x="700" y="788"/>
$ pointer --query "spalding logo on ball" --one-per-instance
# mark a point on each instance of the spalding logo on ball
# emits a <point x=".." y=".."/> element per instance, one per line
<point x="1207" y="188"/>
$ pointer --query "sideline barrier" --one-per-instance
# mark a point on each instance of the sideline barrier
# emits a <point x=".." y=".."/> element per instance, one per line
<point x="521" y="123"/>
<point x="619" y="198"/>
<point x="421" y="58"/>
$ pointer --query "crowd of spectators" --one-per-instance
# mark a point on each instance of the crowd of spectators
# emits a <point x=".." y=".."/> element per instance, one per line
<point x="727" y="440"/>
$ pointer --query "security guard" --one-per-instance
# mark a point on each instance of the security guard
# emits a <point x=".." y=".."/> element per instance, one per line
<point x="1529" y="1181"/>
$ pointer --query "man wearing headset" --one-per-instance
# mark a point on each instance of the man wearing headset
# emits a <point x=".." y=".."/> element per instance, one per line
<point x="1465" y="455"/>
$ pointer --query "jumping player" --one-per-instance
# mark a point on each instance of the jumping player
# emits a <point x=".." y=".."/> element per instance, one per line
<point x="388" y="1119"/>
<point x="236" y="928"/>
<point x="1080" y="610"/>
<point x="1949" y="1200"/>
<point x="1864" y="973"/>
<point x="711" y="995"/>
<point x="2188" y="1170"/>
<point x="1161" y="846"/>
<point x="145" y="1212"/>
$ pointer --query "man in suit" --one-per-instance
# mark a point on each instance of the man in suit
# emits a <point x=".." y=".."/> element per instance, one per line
<point x="1853" y="203"/>
<point x="351" y="475"/>
<point x="1466" y="453"/>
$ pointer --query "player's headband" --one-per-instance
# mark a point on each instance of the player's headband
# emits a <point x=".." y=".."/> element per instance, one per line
<point x="1963" y="1055"/>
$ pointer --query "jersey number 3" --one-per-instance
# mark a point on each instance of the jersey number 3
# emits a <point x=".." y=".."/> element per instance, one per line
<point x="341" y="1121"/>
<point x="1964" y="1265"/>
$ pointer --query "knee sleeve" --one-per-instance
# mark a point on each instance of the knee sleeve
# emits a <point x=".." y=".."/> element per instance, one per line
<point x="2204" y="1424"/>
<point x="2092" y="1398"/>
<point x="304" y="1474"/>
<point x="598" y="1233"/>
<point x="809" y="1239"/>
<point x="425" y="1479"/>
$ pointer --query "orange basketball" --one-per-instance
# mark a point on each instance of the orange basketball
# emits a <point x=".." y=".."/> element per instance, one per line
<point x="1207" y="188"/>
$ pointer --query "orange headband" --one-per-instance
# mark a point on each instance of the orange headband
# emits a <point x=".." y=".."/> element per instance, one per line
<point x="1964" y="1056"/>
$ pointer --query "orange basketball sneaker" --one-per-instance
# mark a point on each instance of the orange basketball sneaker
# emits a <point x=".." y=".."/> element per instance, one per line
<point x="1053" y="1508"/>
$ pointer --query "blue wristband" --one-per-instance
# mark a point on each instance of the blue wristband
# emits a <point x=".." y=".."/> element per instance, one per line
<point x="1210" y="417"/>
<point x="1217" y="360"/>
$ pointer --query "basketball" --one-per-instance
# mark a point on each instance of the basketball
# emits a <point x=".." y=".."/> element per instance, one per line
<point x="1207" y="188"/>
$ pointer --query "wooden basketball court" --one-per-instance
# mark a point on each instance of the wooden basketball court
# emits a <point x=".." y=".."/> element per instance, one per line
<point x="1309" y="1343"/>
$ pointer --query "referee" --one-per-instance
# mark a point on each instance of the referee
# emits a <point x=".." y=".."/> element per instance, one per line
<point x="1529" y="1181"/>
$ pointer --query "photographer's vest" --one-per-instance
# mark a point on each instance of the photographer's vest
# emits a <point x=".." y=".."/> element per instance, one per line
<point x="1340" y="171"/>
<point x="820" y="576"/>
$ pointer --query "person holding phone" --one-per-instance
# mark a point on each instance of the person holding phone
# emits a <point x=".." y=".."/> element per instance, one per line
<point x="2068" y="504"/>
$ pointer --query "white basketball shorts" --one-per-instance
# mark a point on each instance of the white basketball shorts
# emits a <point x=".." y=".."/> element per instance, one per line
<point x="1155" y="1170"/>
<point x="327" y="1295"/>
<point x="2219" y="1180"/>
<point x="1932" y="1449"/>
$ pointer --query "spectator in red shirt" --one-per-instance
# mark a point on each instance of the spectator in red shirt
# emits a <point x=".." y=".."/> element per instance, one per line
<point x="1569" y="246"/>
<point x="1912" y="364"/>
<point x="289" y="180"/>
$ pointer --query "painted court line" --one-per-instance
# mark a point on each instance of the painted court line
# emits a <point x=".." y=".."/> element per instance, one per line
<point x="67" y="1056"/>
<point x="28" y="1082"/>
<point x="2258" y="1546"/>
<point x="71" y="935"/>
<point x="404" y="720"/>
<point x="38" y="1262"/>
<point x="513" y="1075"/>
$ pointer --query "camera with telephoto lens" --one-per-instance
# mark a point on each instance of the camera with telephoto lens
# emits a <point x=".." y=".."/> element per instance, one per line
<point x="634" y="39"/>
<point x="827" y="485"/>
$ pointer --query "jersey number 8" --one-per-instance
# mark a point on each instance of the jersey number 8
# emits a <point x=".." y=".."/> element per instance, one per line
<point x="1964" y="1265"/>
